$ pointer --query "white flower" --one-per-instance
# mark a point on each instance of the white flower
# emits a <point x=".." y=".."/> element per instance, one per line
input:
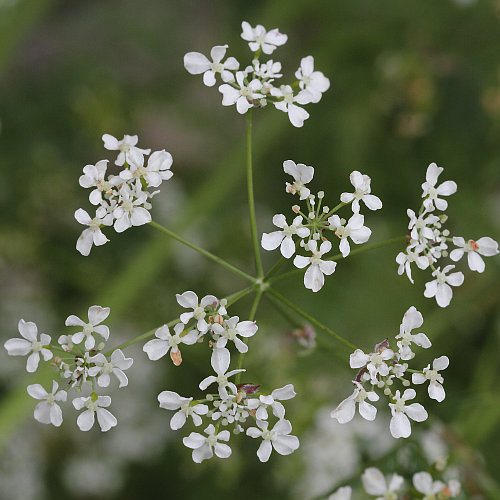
<point x="287" y="101"/>
<point x="47" y="411"/>
<point x="362" y="192"/>
<point x="129" y="211"/>
<point x="29" y="344"/>
<point x="269" y="70"/>
<point x="412" y="319"/>
<point x="189" y="300"/>
<point x="314" y="82"/>
<point x="172" y="401"/>
<point x="204" y="447"/>
<point x="440" y="287"/>
<point x="117" y="363"/>
<point x="220" y="363"/>
<point x="94" y="404"/>
<point x="278" y="438"/>
<point x="436" y="390"/>
<point x="156" y="171"/>
<point x="93" y="176"/>
<point x="354" y="229"/>
<point x="474" y="249"/>
<point x="261" y="404"/>
<point x="258" y="38"/>
<point x="431" y="192"/>
<point x="314" y="276"/>
<point x="125" y="146"/>
<point x="231" y="329"/>
<point x="343" y="493"/>
<point x="283" y="239"/>
<point x="400" y="424"/>
<point x="424" y="484"/>
<point x="405" y="259"/>
<point x="302" y="174"/>
<point x="346" y="409"/>
<point x="243" y="96"/>
<point x="375" y="484"/>
<point x="96" y="315"/>
<point x="421" y="227"/>
<point x="93" y="235"/>
<point x="157" y="348"/>
<point x="375" y="362"/>
<point x="197" y="63"/>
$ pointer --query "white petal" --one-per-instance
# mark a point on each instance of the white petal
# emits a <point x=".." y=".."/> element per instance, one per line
<point x="178" y="420"/>
<point x="313" y="278"/>
<point x="264" y="451"/>
<point x="345" y="411"/>
<point x="416" y="412"/>
<point x="374" y="481"/>
<point x="271" y="241"/>
<point x="196" y="63"/>
<point x="400" y="426"/>
<point x="106" y="419"/>
<point x="85" y="420"/>
<point x="156" y="349"/>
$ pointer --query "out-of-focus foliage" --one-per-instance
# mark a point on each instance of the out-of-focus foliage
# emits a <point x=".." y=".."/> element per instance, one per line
<point x="412" y="82"/>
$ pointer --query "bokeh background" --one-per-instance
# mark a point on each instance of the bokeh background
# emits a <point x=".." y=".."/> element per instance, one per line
<point x="412" y="82"/>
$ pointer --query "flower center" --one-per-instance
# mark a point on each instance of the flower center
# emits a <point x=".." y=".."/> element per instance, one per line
<point x="222" y="380"/>
<point x="88" y="329"/>
<point x="107" y="368"/>
<point x="36" y="346"/>
<point x="124" y="147"/>
<point x="95" y="224"/>
<point x="212" y="440"/>
<point x="267" y="435"/>
<point x="433" y="192"/>
<point x="127" y="206"/>
<point x="315" y="259"/>
<point x="376" y="359"/>
<point x="245" y="92"/>
<point x="230" y="333"/>
<point x="343" y="232"/>
<point x="441" y="278"/>
<point x="399" y="405"/>
<point x="199" y="312"/>
<point x="390" y="495"/>
<point x="472" y="246"/>
<point x="92" y="405"/>
<point x="432" y="375"/>
<point x="288" y="231"/>
<point x="217" y="67"/>
<point x="50" y="399"/>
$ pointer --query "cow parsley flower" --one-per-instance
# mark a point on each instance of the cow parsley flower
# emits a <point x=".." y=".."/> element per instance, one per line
<point x="375" y="362"/>
<point x="436" y="389"/>
<point x="375" y="484"/>
<point x="286" y="103"/>
<point x="154" y="173"/>
<point x="47" y="411"/>
<point x="93" y="235"/>
<point x="440" y="287"/>
<point x="278" y="438"/>
<point x="189" y="300"/>
<point x="29" y="344"/>
<point x="172" y="401"/>
<point x="485" y="246"/>
<point x="125" y="146"/>
<point x="204" y="447"/>
<point x="412" y="319"/>
<point x="412" y="254"/>
<point x="362" y="192"/>
<point x="130" y="212"/>
<point x="400" y="426"/>
<point x="261" y="404"/>
<point x="116" y="365"/>
<point x="96" y="315"/>
<point x="354" y="229"/>
<point x="259" y="38"/>
<point x="302" y="174"/>
<point x="93" y="176"/>
<point x="431" y="193"/>
<point x="314" y="276"/>
<point x="346" y="409"/>
<point x="243" y="96"/>
<point x="197" y="63"/>
<point x="283" y="238"/>
<point x="314" y="82"/>
<point x="94" y="405"/>
<point x="231" y="329"/>
<point x="423" y="483"/>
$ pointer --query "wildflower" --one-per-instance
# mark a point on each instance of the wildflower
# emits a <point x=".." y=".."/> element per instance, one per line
<point x="314" y="276"/>
<point x="204" y="447"/>
<point x="29" y="344"/>
<point x="261" y="404"/>
<point x="345" y="410"/>
<point x="259" y="38"/>
<point x="354" y="229"/>
<point x="412" y="319"/>
<point x="375" y="484"/>
<point x="93" y="176"/>
<point x="117" y="363"/>
<point x="129" y="211"/>
<point x="172" y="401"/>
<point x="436" y="390"/>
<point x="313" y="81"/>
<point x="362" y="192"/>
<point x="125" y="146"/>
<point x="440" y="287"/>
<point x="96" y="315"/>
<point x="156" y="171"/>
<point x="231" y="329"/>
<point x="422" y="481"/>
<point x="94" y="405"/>
<point x="286" y="103"/>
<point x="412" y="254"/>
<point x="283" y="238"/>
<point x="47" y="411"/>
<point x="302" y="174"/>
<point x="432" y="193"/>
<point x="474" y="249"/>
<point x="243" y="96"/>
<point x="197" y="63"/>
<point x="400" y="424"/>
<point x="375" y="362"/>
<point x="93" y="235"/>
<point x="278" y="438"/>
<point x="189" y="300"/>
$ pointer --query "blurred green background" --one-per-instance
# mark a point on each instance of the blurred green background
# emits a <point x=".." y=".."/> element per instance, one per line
<point x="412" y="82"/>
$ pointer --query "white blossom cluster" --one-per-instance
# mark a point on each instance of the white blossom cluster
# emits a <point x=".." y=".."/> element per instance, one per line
<point x="315" y="223"/>
<point x="255" y="86"/>
<point x="232" y="405"/>
<point x="394" y="487"/>
<point x="81" y="365"/>
<point x="382" y="368"/>
<point x="428" y="242"/>
<point x="122" y="200"/>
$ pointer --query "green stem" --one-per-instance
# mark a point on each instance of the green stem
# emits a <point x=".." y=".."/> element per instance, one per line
<point x="312" y="320"/>
<point x="275" y="268"/>
<point x="339" y="256"/>
<point x="253" y="312"/>
<point x="251" y="204"/>
<point x="204" y="252"/>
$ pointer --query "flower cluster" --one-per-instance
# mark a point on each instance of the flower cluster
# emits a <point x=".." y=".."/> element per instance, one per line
<point x="122" y="200"/>
<point x="383" y="367"/>
<point x="314" y="224"/>
<point x="255" y="86"/>
<point x="80" y="364"/>
<point x="232" y="404"/>
<point x="428" y="242"/>
<point x="394" y="487"/>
